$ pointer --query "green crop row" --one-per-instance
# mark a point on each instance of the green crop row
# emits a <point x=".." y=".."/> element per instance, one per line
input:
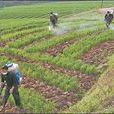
<point x="13" y="36"/>
<point x="14" y="23"/>
<point x="29" y="39"/>
<point x="24" y="25"/>
<point x="60" y="39"/>
<point x="78" y="49"/>
<point x="77" y="65"/>
<point x="34" y="102"/>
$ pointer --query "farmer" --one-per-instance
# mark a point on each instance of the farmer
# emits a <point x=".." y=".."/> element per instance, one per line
<point x="14" y="68"/>
<point x="53" y="19"/>
<point x="11" y="86"/>
<point x="108" y="18"/>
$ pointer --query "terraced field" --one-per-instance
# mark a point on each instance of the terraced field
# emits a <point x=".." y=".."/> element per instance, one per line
<point x="57" y="69"/>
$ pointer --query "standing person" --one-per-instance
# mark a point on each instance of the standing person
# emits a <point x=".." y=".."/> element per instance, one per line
<point x="108" y="19"/>
<point x="53" y="19"/>
<point x="11" y="87"/>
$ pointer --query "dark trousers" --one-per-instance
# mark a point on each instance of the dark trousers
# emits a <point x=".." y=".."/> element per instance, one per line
<point x="15" y="94"/>
<point x="53" y="23"/>
<point x="108" y="22"/>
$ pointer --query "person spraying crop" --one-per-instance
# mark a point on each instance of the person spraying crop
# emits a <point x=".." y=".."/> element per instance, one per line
<point x="10" y="80"/>
<point x="53" y="19"/>
<point x="108" y="18"/>
<point x="12" y="67"/>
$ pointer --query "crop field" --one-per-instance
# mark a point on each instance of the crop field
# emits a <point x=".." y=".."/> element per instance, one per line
<point x="60" y="67"/>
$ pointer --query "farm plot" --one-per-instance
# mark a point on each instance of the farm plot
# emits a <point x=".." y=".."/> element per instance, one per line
<point x="57" y="70"/>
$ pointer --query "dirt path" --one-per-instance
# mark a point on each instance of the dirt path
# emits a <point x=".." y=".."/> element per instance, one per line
<point x="97" y="55"/>
<point x="54" y="51"/>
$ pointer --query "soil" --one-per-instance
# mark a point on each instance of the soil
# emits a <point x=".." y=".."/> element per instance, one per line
<point x="2" y="44"/>
<point x="97" y="55"/>
<point x="13" y="109"/>
<point x="9" y="108"/>
<point x="54" y="51"/>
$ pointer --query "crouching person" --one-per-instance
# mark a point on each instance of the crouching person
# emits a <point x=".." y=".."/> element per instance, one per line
<point x="11" y="87"/>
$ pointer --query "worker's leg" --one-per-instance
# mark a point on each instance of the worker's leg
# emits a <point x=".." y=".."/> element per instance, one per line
<point x="6" y="96"/>
<point x="53" y="24"/>
<point x="16" y="97"/>
<point x="107" y="24"/>
<point x="56" y="23"/>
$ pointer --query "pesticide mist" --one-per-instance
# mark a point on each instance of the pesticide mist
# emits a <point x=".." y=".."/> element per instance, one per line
<point x="111" y="27"/>
<point x="59" y="30"/>
<point x="79" y="23"/>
